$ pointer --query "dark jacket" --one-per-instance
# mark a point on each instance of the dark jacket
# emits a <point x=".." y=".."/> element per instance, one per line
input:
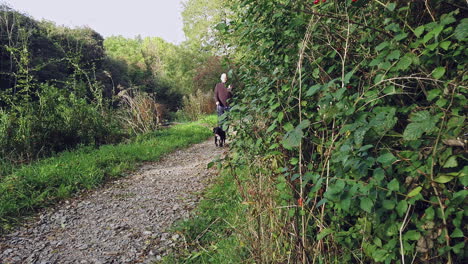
<point x="222" y="94"/>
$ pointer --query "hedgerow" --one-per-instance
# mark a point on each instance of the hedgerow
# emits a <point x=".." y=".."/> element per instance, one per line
<point x="351" y="119"/>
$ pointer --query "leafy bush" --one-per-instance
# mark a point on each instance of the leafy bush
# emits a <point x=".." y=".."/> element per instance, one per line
<point x="355" y="111"/>
<point x="55" y="122"/>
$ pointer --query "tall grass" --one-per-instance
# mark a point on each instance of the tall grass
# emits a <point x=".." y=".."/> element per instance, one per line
<point x="243" y="218"/>
<point x="44" y="182"/>
<point x="198" y="104"/>
<point x="214" y="233"/>
<point x="140" y="113"/>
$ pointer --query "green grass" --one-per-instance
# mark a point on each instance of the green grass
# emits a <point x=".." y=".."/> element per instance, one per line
<point x="47" y="181"/>
<point x="212" y="234"/>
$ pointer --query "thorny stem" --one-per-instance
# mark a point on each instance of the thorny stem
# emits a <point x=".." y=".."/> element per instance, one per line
<point x="434" y="152"/>
<point x="402" y="227"/>
<point x="343" y="61"/>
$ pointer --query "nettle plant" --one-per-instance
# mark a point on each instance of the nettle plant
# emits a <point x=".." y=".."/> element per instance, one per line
<point x="360" y="108"/>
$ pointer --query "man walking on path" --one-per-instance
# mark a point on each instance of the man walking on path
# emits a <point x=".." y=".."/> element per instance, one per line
<point x="222" y="94"/>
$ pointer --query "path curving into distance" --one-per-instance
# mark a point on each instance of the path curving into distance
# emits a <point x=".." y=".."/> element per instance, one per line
<point x="124" y="222"/>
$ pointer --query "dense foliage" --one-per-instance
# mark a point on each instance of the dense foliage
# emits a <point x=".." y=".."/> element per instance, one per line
<point x="63" y="87"/>
<point x="53" y="89"/>
<point x="352" y="123"/>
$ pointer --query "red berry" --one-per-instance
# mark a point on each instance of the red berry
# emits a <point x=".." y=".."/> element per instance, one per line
<point x="316" y="2"/>
<point x="349" y="86"/>
<point x="299" y="202"/>
<point x="354" y="0"/>
<point x="323" y="1"/>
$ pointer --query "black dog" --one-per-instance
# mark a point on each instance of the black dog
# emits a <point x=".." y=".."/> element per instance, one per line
<point x="219" y="134"/>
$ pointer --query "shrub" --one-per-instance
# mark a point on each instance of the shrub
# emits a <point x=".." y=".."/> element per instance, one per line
<point x="55" y="122"/>
<point x="352" y="123"/>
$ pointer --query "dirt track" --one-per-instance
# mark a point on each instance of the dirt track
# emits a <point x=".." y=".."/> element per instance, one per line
<point x="124" y="222"/>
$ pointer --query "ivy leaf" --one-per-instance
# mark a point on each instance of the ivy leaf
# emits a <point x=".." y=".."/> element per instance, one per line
<point x="447" y="19"/>
<point x="375" y="62"/>
<point x="404" y="63"/>
<point x="379" y="174"/>
<point x="386" y="159"/>
<point x="464" y="180"/>
<point x="394" y="55"/>
<point x="345" y="203"/>
<point x="401" y="36"/>
<point x="429" y="213"/>
<point x="422" y="122"/>
<point x="391" y="6"/>
<point x="348" y="76"/>
<point x="288" y="127"/>
<point x="380" y="255"/>
<point x="412" y="235"/>
<point x="401" y="207"/>
<point x="443" y="178"/>
<point x="393" y="185"/>
<point x="445" y="45"/>
<point x="359" y="135"/>
<point x="418" y="31"/>
<point x="438" y="72"/>
<point x="324" y="233"/>
<point x="433" y="94"/>
<point x="441" y="102"/>
<point x="292" y="139"/>
<point x="313" y="90"/>
<point x="451" y="162"/>
<point x="436" y="31"/>
<point x="366" y="204"/>
<point x="280" y="116"/>
<point x="457" y="233"/>
<point x="382" y="46"/>
<point x="304" y="124"/>
<point x="414" y="192"/>
<point x="461" y="32"/>
<point x="388" y="204"/>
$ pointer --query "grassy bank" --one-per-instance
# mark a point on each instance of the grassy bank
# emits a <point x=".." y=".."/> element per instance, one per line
<point x="47" y="181"/>
<point x="213" y="234"/>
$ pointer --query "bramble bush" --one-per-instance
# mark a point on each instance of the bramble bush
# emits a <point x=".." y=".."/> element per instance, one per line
<point x="352" y="124"/>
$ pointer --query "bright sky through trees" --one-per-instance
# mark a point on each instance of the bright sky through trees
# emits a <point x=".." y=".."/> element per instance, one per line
<point x="156" y="18"/>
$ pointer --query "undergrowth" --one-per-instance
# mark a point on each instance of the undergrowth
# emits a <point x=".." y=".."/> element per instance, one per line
<point x="47" y="181"/>
<point x="352" y="122"/>
<point x="212" y="234"/>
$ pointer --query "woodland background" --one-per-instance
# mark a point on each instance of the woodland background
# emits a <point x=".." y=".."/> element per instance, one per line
<point x="350" y="116"/>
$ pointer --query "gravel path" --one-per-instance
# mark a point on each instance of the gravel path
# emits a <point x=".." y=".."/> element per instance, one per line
<point x="124" y="222"/>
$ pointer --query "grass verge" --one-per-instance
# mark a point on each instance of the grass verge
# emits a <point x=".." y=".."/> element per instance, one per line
<point x="212" y="234"/>
<point x="47" y="181"/>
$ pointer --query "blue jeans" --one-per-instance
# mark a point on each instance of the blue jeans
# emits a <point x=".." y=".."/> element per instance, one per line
<point x="222" y="112"/>
<point x="221" y="109"/>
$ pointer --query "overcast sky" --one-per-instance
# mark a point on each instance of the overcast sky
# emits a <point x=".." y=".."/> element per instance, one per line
<point x="155" y="18"/>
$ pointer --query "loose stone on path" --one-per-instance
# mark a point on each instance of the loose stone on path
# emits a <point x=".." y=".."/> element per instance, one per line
<point x="124" y="222"/>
